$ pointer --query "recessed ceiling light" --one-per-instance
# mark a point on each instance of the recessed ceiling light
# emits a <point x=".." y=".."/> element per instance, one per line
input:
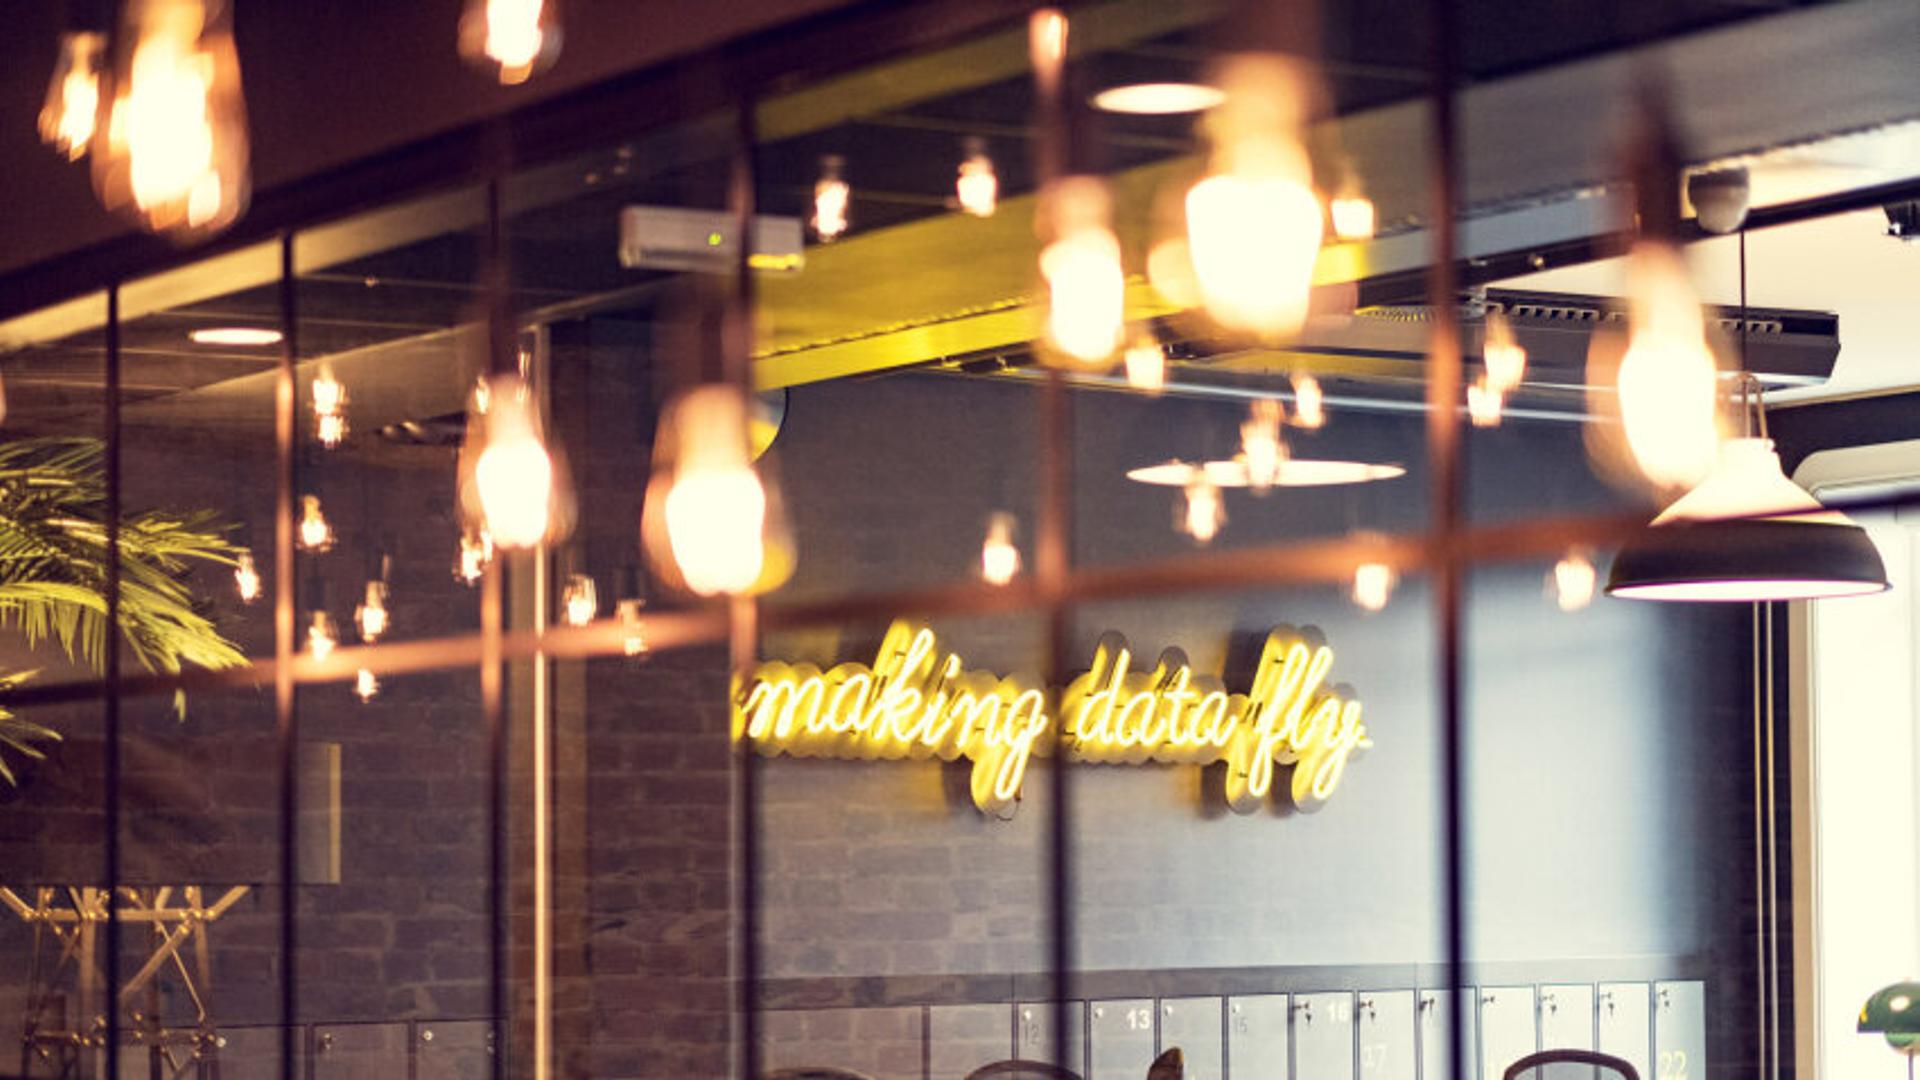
<point x="236" y="335"/>
<point x="1158" y="99"/>
<point x="1293" y="472"/>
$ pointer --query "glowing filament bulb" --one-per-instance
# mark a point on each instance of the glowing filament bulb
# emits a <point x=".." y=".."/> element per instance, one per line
<point x="978" y="186"/>
<point x="329" y="407"/>
<point x="365" y="685"/>
<point x="633" y="639"/>
<point x="512" y="38"/>
<point x="1373" y="584"/>
<point x="73" y="97"/>
<point x="511" y="491"/>
<point x="1047" y="46"/>
<point x="1309" y="404"/>
<point x="320" y="636"/>
<point x="715" y="507"/>
<point x="1505" y="360"/>
<point x="1572" y="581"/>
<point x="1205" y="512"/>
<point x="1146" y="365"/>
<point x="476" y="551"/>
<point x="245" y="578"/>
<point x="1260" y="443"/>
<point x="371" y="616"/>
<point x="830" y="198"/>
<point x="999" y="557"/>
<point x="1352" y="217"/>
<point x="173" y="150"/>
<point x="1668" y="383"/>
<point x="579" y="601"/>
<point x="315" y="533"/>
<point x="1254" y="224"/>
<point x="1484" y="404"/>
<point x="1086" y="286"/>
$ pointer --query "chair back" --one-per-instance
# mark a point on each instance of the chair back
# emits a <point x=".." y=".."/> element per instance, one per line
<point x="1566" y="1064"/>
<point x="1018" y="1069"/>
<point x="1171" y="1065"/>
<point x="816" y="1072"/>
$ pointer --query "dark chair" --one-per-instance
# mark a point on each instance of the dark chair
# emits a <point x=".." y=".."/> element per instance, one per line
<point x="1570" y="1065"/>
<point x="1017" y="1069"/>
<point x="816" y="1072"/>
<point x="1171" y="1065"/>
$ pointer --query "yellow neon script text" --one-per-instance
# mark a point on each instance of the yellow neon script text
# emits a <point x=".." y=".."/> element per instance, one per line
<point x="914" y="702"/>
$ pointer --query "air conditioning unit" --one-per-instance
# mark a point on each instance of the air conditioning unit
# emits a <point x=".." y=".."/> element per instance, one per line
<point x="674" y="238"/>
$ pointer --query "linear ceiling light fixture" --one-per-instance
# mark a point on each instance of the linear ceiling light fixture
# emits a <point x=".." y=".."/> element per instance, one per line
<point x="1158" y="98"/>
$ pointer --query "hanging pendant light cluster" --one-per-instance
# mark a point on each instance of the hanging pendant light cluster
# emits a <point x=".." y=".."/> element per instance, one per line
<point x="511" y="40"/>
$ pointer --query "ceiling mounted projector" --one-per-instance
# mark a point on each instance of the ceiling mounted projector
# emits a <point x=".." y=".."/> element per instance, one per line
<point x="675" y="238"/>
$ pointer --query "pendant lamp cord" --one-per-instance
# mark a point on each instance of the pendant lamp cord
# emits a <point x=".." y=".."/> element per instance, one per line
<point x="1753" y="409"/>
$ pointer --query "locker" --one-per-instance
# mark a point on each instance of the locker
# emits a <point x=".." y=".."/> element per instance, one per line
<point x="1566" y="1017"/>
<point x="454" y="1050"/>
<point x="1323" y="1036"/>
<point x="1385" y="1020"/>
<point x="883" y="1043"/>
<point x="1626" y="1024"/>
<point x="1194" y="1025"/>
<point x="1034" y="1032"/>
<point x="1257" y="1037"/>
<point x="1436" y="1009"/>
<point x="962" y="1038"/>
<point x="1120" y="1039"/>
<point x="1679" y="1031"/>
<point x="1507" y="1028"/>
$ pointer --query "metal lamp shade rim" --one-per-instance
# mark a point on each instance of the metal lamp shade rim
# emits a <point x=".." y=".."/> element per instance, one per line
<point x="1881" y="1015"/>
<point x="1742" y="561"/>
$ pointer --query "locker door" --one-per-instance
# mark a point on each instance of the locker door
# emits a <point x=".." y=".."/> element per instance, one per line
<point x="1193" y="1025"/>
<point x="1507" y="1031"/>
<point x="1323" y="1036"/>
<point x="1034" y="1033"/>
<point x="1385" y="1019"/>
<point x="1680" y="1030"/>
<point x="961" y="1038"/>
<point x="1257" y="1037"/>
<point x="1436" y="1009"/>
<point x="1566" y="1017"/>
<point x="1120" y="1039"/>
<point x="1626" y="1024"/>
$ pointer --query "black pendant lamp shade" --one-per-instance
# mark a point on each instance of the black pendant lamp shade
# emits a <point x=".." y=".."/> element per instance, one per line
<point x="1747" y="533"/>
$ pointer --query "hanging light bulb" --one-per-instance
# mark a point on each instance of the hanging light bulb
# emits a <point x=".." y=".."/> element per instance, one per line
<point x="365" y="685"/>
<point x="315" y="533"/>
<point x="1352" y="216"/>
<point x="1373" y="585"/>
<point x="1086" y="287"/>
<point x="329" y="407"/>
<point x="174" y="153"/>
<point x="830" y="198"/>
<point x="321" y="637"/>
<point x="1573" y="579"/>
<point x="476" y="551"/>
<point x="1501" y="353"/>
<point x="1047" y="47"/>
<point x="1146" y="365"/>
<point x="510" y="39"/>
<point x="511" y="487"/>
<point x="1260" y="443"/>
<point x="710" y="522"/>
<point x="246" y="579"/>
<point x="1668" y="382"/>
<point x="1484" y="404"/>
<point x="1254" y="224"/>
<point x="978" y="187"/>
<point x="73" y="96"/>
<point x="1309" y="404"/>
<point x="1204" y="511"/>
<point x="371" y="616"/>
<point x="579" y="600"/>
<point x="633" y="638"/>
<point x="999" y="557"/>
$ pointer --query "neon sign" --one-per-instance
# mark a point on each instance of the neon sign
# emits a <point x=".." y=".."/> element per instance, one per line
<point x="916" y="703"/>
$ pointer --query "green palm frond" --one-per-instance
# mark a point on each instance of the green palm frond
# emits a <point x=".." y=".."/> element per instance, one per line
<point x="53" y="571"/>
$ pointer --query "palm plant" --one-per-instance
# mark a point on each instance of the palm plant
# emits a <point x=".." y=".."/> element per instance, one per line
<point x="53" y="574"/>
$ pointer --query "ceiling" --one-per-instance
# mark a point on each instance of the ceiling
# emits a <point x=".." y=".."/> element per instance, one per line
<point x="389" y="286"/>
